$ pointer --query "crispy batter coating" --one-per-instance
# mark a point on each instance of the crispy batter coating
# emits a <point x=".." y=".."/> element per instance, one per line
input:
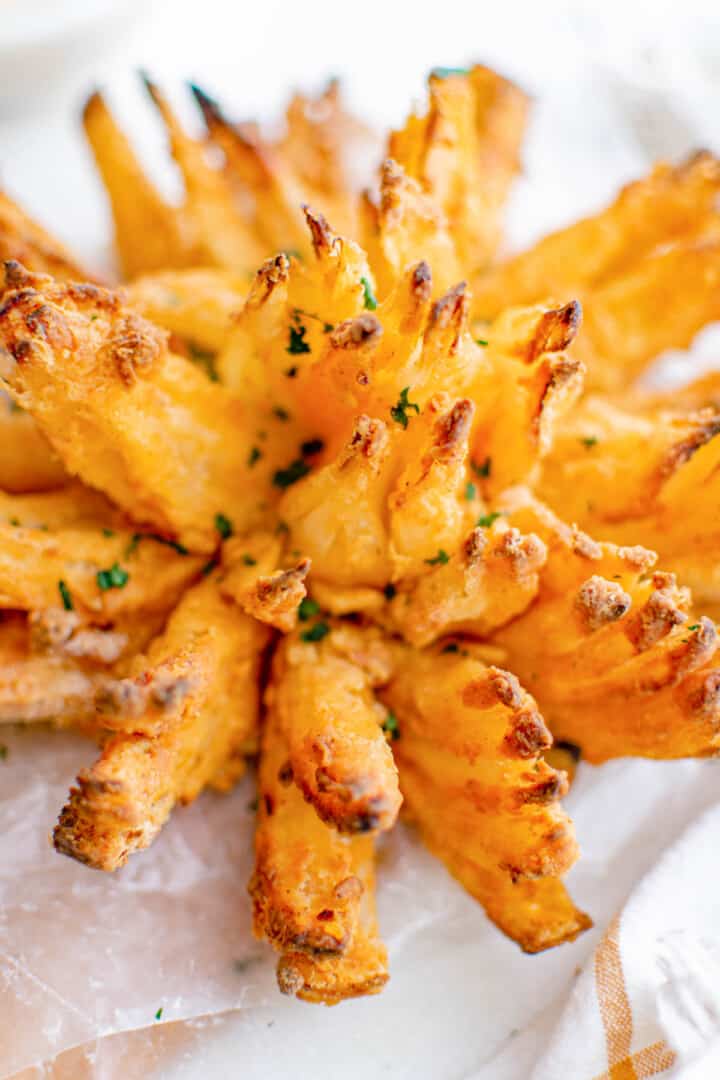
<point x="644" y="476"/>
<point x="27" y="461"/>
<point x="672" y="203"/>
<point x="465" y="153"/>
<point x="613" y="652"/>
<point x="149" y="233"/>
<point x="313" y="889"/>
<point x="255" y="579"/>
<point x="41" y="686"/>
<point x="108" y="573"/>
<point x="196" y="306"/>
<point x="29" y="243"/>
<point x="624" y="264"/>
<point x="121" y="411"/>
<point x="190" y="719"/>
<point x="322" y="697"/>
<point x="469" y="744"/>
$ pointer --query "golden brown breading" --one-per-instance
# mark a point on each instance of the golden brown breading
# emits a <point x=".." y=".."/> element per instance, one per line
<point x="469" y="742"/>
<point x="613" y="652"/>
<point x="27" y="242"/>
<point x="322" y="698"/>
<point x="41" y="686"/>
<point x="197" y="306"/>
<point x="313" y="889"/>
<point x="123" y="412"/>
<point x="255" y="579"/>
<point x="465" y="153"/>
<point x="197" y="704"/>
<point x="27" y="461"/>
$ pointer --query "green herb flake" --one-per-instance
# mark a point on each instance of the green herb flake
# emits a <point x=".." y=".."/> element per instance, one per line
<point x="307" y="609"/>
<point x="369" y="298"/>
<point x="453" y="647"/>
<point x="484" y="469"/>
<point x="311" y="447"/>
<point x="391" y="727"/>
<point x="65" y="596"/>
<point x="249" y="561"/>
<point x="108" y="532"/>
<point x="204" y="360"/>
<point x="695" y="626"/>
<point x="390" y="591"/>
<point x="589" y="441"/>
<point x="114" y="578"/>
<point x="399" y="412"/>
<point x="470" y="491"/>
<point x="295" y="471"/>
<point x="280" y="413"/>
<point x="158" y="1014"/>
<point x="486" y="520"/>
<point x="3" y="753"/>
<point x="297" y="343"/>
<point x="254" y="456"/>
<point x="292" y="372"/>
<point x="209" y="567"/>
<point x="15" y="522"/>
<point x="224" y="526"/>
<point x="316" y="632"/>
<point x="482" y="341"/>
<point x="447" y="72"/>
<point x="440" y="559"/>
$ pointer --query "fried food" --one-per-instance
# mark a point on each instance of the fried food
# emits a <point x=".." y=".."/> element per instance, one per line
<point x="612" y="649"/>
<point x="322" y="698"/>
<point x="123" y="412"/>
<point x="624" y="264"/>
<point x="313" y="889"/>
<point x="469" y="745"/>
<point x="632" y="475"/>
<point x="350" y="487"/>
<point x="465" y="153"/>
<point x="189" y="716"/>
<point x="27" y="461"/>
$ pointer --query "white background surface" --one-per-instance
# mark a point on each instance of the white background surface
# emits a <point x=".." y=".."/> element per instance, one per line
<point x="616" y="87"/>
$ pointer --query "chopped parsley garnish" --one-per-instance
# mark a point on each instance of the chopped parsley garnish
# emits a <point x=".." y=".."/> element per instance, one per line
<point x="65" y="596"/>
<point x="297" y="343"/>
<point x="589" y="441"/>
<point x="15" y="522"/>
<point x="295" y="471"/>
<point x="312" y="446"/>
<point x="209" y="567"/>
<point x="487" y="519"/>
<point x="204" y="360"/>
<point x="481" y="341"/>
<point x="369" y="298"/>
<point x="390" y="591"/>
<point x="695" y="626"/>
<point x="440" y="559"/>
<point x="3" y="753"/>
<point x="114" y="578"/>
<point x="470" y="491"/>
<point x="452" y="647"/>
<point x="223" y="525"/>
<point x="446" y="72"/>
<point x="292" y="372"/>
<point x="316" y="632"/>
<point x="282" y="414"/>
<point x="484" y="469"/>
<point x="108" y="532"/>
<point x="391" y="727"/>
<point x="158" y="1014"/>
<point x="249" y="561"/>
<point x="399" y="412"/>
<point x="307" y="608"/>
<point x="254" y="456"/>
